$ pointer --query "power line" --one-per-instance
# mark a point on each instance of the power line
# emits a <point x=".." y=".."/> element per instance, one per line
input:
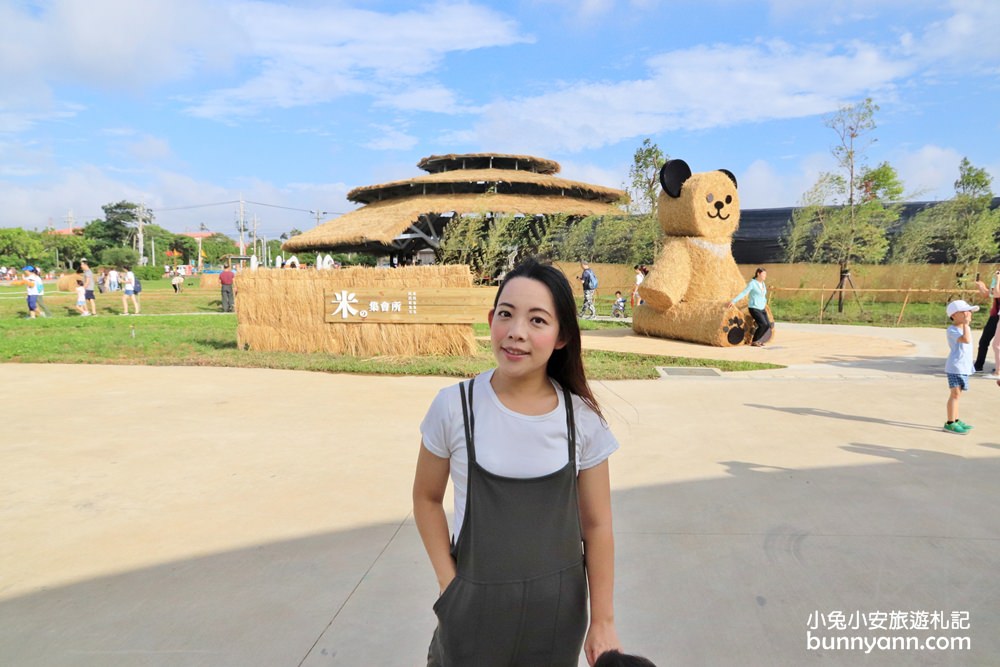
<point x="236" y="201"/>
<point x="185" y="208"/>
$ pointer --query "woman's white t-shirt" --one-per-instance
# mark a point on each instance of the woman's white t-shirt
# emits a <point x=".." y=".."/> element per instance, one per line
<point x="509" y="443"/>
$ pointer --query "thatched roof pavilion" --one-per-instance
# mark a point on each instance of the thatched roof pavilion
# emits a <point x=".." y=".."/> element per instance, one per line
<point x="408" y="215"/>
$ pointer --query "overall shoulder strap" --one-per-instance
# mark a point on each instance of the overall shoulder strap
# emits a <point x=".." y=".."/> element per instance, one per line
<point x="469" y="420"/>
<point x="570" y="424"/>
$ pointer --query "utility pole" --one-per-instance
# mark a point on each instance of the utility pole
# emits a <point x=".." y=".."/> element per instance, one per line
<point x="142" y="244"/>
<point x="242" y="226"/>
<point x="255" y="233"/>
<point x="319" y="213"/>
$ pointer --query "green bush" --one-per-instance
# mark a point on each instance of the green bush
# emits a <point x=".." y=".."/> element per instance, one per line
<point x="147" y="272"/>
<point x="119" y="257"/>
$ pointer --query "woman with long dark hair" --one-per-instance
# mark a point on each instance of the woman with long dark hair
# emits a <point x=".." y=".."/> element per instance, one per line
<point x="527" y="451"/>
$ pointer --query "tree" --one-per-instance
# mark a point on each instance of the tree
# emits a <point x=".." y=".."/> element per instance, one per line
<point x="644" y="179"/>
<point x="845" y="216"/>
<point x="217" y="245"/>
<point x="119" y="257"/>
<point x="66" y="249"/>
<point x="19" y="247"/>
<point x="492" y="243"/>
<point x="118" y="226"/>
<point x="963" y="228"/>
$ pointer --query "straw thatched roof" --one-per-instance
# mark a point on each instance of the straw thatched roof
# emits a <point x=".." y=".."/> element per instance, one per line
<point x="409" y="214"/>
<point x="383" y="223"/>
<point x="450" y="162"/>
<point x="477" y="181"/>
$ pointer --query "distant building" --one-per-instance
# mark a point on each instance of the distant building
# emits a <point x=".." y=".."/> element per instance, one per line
<point x="759" y="238"/>
<point x="404" y="218"/>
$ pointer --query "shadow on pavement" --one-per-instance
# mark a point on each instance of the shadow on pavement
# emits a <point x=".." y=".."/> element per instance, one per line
<point x="722" y="571"/>
<point x="831" y="414"/>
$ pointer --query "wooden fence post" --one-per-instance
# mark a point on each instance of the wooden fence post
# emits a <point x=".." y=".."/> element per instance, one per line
<point x="903" y="309"/>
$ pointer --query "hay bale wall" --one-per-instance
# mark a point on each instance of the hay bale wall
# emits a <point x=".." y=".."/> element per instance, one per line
<point x="868" y="276"/>
<point x="284" y="310"/>
<point x="610" y="277"/>
<point x="209" y="280"/>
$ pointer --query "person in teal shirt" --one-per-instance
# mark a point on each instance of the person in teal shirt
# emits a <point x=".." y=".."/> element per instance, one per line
<point x="756" y="290"/>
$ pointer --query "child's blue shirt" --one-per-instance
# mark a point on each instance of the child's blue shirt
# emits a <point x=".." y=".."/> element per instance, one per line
<point x="960" y="357"/>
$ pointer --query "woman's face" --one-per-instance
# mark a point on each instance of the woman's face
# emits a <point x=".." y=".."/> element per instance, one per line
<point x="524" y="328"/>
<point x="762" y="276"/>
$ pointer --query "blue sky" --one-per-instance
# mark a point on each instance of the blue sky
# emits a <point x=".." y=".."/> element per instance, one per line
<point x="183" y="103"/>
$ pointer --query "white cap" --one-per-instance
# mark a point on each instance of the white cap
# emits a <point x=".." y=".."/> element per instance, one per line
<point x="960" y="306"/>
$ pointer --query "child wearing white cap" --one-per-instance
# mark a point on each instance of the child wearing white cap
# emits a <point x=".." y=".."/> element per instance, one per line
<point x="959" y="365"/>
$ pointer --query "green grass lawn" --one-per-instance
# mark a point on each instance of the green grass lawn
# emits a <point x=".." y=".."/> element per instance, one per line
<point x="186" y="330"/>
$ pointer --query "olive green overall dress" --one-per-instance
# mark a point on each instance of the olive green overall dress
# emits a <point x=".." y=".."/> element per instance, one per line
<point x="519" y="598"/>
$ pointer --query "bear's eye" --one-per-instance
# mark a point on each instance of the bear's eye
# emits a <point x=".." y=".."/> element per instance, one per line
<point x="729" y="199"/>
<point x="710" y="198"/>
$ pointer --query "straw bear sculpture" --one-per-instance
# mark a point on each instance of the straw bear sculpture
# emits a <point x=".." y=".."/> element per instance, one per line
<point x="687" y="291"/>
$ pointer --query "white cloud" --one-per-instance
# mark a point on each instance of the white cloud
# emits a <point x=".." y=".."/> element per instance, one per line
<point x="149" y="149"/>
<point x="763" y="185"/>
<point x="593" y="174"/>
<point x="929" y="172"/>
<point x="105" y="44"/>
<point x="113" y="44"/>
<point x="314" y="55"/>
<point x="391" y="139"/>
<point x="587" y="10"/>
<point x="841" y="12"/>
<point x="431" y="97"/>
<point x="86" y="188"/>
<point x="691" y="89"/>
<point x="967" y="38"/>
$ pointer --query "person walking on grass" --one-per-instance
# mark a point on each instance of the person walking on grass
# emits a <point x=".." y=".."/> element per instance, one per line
<point x="588" y="280"/>
<point x="81" y="299"/>
<point x="958" y="367"/>
<point x="526" y="448"/>
<point x="113" y="279"/>
<point x="129" y="286"/>
<point x="33" y="281"/>
<point x="757" y="305"/>
<point x="88" y="286"/>
<point x="226" y="279"/>
<point x="43" y="310"/>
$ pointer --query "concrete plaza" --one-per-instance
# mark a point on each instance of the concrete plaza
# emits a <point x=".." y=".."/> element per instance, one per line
<point x="244" y="517"/>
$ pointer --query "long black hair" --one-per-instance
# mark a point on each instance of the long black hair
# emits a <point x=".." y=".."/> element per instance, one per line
<point x="565" y="366"/>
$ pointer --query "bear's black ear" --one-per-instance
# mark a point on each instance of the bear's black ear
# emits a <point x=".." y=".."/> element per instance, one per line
<point x="731" y="176"/>
<point x="673" y="174"/>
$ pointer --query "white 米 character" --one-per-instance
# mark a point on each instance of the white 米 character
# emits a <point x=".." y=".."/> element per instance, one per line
<point x="373" y="307"/>
<point x="343" y="302"/>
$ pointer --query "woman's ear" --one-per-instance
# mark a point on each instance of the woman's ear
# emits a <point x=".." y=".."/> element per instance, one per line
<point x="560" y="344"/>
<point x="489" y="318"/>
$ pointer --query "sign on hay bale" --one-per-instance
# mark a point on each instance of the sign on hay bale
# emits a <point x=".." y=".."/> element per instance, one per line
<point x="292" y="311"/>
<point x="448" y="305"/>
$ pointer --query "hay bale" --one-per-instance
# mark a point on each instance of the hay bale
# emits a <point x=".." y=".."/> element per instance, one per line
<point x="67" y="281"/>
<point x="284" y="310"/>
<point x="689" y="284"/>
<point x="208" y="280"/>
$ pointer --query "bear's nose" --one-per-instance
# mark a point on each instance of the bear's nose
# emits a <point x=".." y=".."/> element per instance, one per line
<point x="719" y="205"/>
